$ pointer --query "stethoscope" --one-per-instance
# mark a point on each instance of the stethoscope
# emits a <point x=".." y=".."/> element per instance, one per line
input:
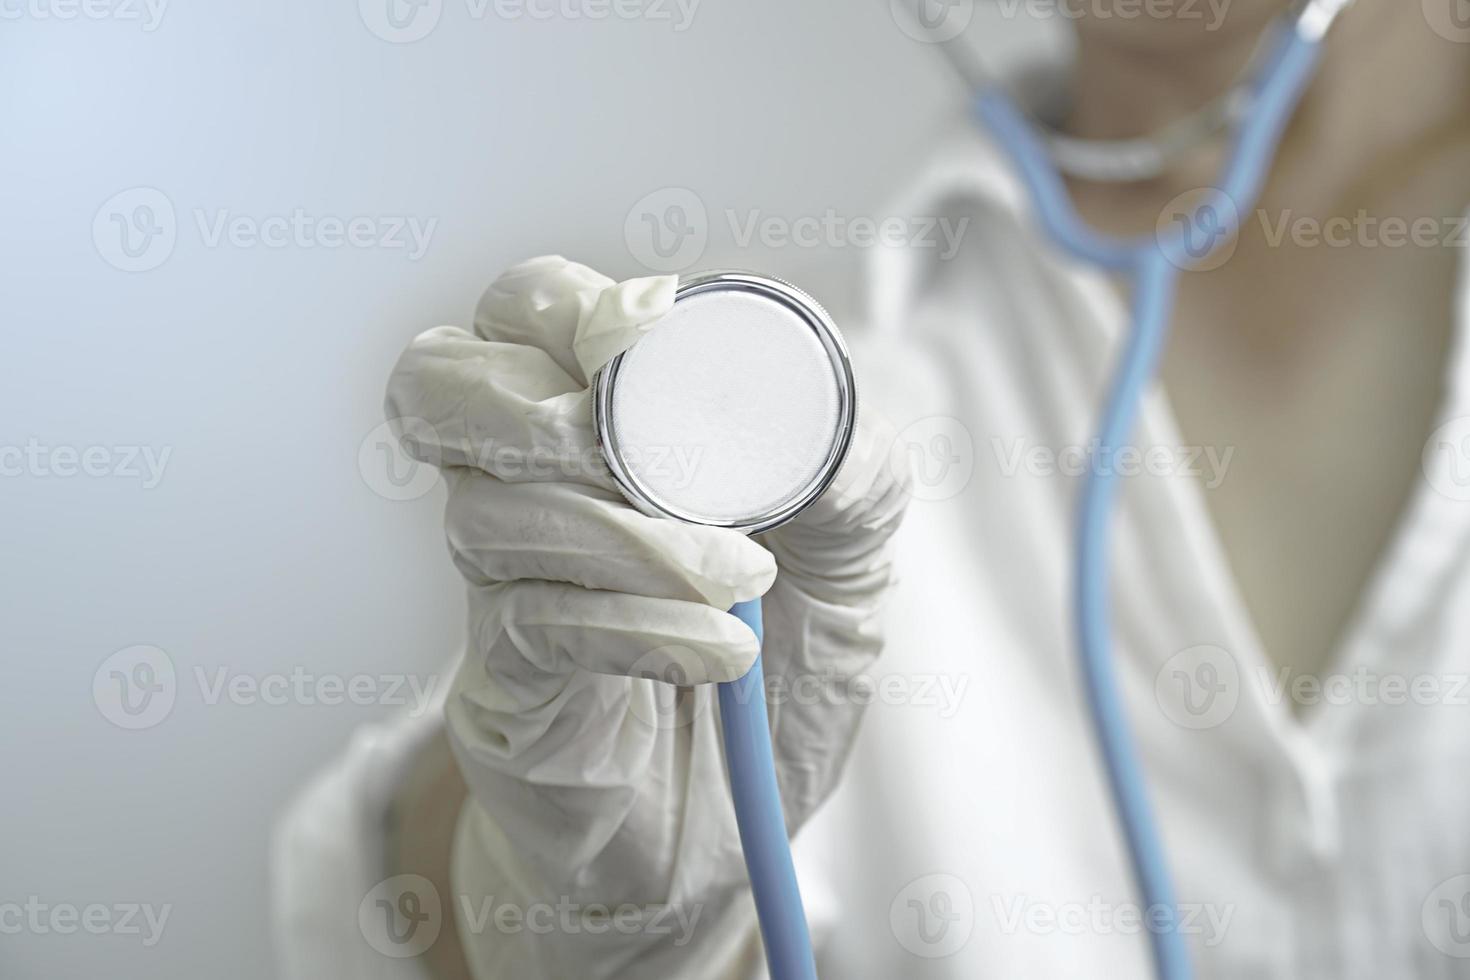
<point x="741" y="349"/>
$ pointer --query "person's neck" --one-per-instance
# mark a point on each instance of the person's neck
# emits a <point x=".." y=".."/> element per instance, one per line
<point x="1388" y="89"/>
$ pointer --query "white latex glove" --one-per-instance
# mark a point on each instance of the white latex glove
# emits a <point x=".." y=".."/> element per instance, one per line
<point x="593" y="787"/>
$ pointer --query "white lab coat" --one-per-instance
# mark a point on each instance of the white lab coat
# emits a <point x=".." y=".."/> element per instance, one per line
<point x="973" y="835"/>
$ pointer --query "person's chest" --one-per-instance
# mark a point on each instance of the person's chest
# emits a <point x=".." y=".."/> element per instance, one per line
<point x="1320" y="372"/>
<point x="1314" y="847"/>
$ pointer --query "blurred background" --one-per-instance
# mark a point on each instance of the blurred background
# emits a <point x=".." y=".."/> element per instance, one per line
<point x="219" y="224"/>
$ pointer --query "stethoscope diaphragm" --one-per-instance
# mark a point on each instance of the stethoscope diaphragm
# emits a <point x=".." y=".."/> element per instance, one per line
<point x="736" y="410"/>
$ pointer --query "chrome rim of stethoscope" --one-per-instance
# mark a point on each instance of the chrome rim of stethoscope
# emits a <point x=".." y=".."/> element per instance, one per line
<point x="811" y="313"/>
<point x="1146" y="157"/>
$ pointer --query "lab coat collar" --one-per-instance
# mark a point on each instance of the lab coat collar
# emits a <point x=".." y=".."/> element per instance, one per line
<point x="966" y="169"/>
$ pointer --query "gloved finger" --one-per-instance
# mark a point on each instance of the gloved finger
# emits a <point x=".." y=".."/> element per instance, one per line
<point x="527" y="629"/>
<point x="580" y="318"/>
<point x="870" y="490"/>
<point x="456" y="400"/>
<point x="564" y="532"/>
<point x="507" y="409"/>
<point x="850" y="527"/>
<point x="539" y="303"/>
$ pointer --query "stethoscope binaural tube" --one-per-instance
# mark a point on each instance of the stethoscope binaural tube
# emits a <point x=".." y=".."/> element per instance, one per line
<point x="1153" y="263"/>
<point x="742" y="366"/>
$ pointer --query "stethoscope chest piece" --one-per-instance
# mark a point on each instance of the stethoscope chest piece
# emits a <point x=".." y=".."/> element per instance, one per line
<point x="736" y="410"/>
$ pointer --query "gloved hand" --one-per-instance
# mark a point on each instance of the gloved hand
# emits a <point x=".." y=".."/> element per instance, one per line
<point x="593" y="787"/>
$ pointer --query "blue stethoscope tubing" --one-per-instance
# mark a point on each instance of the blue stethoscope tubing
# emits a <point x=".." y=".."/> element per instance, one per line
<point x="1153" y="263"/>
<point x="758" y="814"/>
